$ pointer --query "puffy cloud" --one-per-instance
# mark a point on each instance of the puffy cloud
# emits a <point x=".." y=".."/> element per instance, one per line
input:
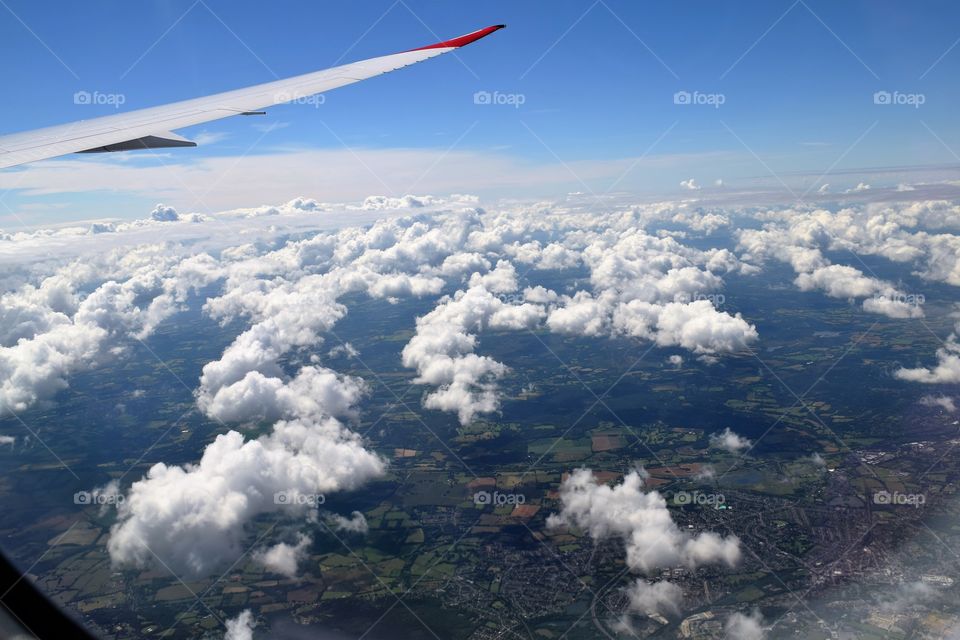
<point x="442" y="349"/>
<point x="707" y="472"/>
<point x="314" y="391"/>
<point x="838" y="281"/>
<point x="79" y="317"/>
<point x="642" y="520"/>
<point x="10" y="440"/>
<point x="912" y="232"/>
<point x="653" y="289"/>
<point x="892" y="307"/>
<point x="696" y="326"/>
<point x="346" y="349"/>
<point x="690" y="184"/>
<point x="581" y="314"/>
<point x="37" y="368"/>
<point x="290" y="315"/>
<point x="900" y="233"/>
<point x="729" y="441"/>
<point x="356" y="523"/>
<point x="163" y="213"/>
<point x="557" y="256"/>
<point x="503" y="279"/>
<point x="841" y="281"/>
<point x="944" y="402"/>
<point x="675" y="361"/>
<point x="241" y="627"/>
<point x="705" y="222"/>
<point x="540" y="295"/>
<point x="381" y="203"/>
<point x="648" y="598"/>
<point x="745" y="627"/>
<point x="553" y="255"/>
<point x="947" y="370"/>
<point x="283" y="558"/>
<point x="107" y="495"/>
<point x="391" y="286"/>
<point x="193" y="517"/>
<point x="918" y="233"/>
<point x="459" y="264"/>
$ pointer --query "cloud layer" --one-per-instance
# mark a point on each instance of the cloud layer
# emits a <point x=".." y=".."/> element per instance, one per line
<point x="76" y="298"/>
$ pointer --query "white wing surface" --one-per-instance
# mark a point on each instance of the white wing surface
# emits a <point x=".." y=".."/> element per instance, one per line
<point x="152" y="128"/>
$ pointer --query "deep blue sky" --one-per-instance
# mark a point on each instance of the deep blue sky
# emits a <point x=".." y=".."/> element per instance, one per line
<point x="799" y="99"/>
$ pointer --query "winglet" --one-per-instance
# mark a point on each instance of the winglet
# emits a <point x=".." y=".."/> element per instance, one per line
<point x="463" y="41"/>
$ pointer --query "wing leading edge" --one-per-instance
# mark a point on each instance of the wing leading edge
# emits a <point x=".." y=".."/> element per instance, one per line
<point x="152" y="127"/>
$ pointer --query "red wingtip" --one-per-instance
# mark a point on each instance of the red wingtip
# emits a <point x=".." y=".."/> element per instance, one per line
<point x="463" y="41"/>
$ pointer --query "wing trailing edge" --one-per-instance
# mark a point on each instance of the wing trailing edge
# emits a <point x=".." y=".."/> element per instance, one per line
<point x="165" y="140"/>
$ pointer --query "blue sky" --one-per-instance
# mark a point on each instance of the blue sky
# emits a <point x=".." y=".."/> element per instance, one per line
<point x="597" y="80"/>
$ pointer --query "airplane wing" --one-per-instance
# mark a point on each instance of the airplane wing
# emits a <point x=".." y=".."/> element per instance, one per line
<point x="152" y="128"/>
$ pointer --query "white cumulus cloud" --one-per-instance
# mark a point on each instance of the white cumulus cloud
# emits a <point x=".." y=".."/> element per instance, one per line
<point x="356" y="523"/>
<point x="283" y="558"/>
<point x="946" y="371"/>
<point x="944" y="402"/>
<point x="241" y="627"/>
<point x="745" y="626"/>
<point x="663" y="597"/>
<point x="729" y="441"/>
<point x="641" y="519"/>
